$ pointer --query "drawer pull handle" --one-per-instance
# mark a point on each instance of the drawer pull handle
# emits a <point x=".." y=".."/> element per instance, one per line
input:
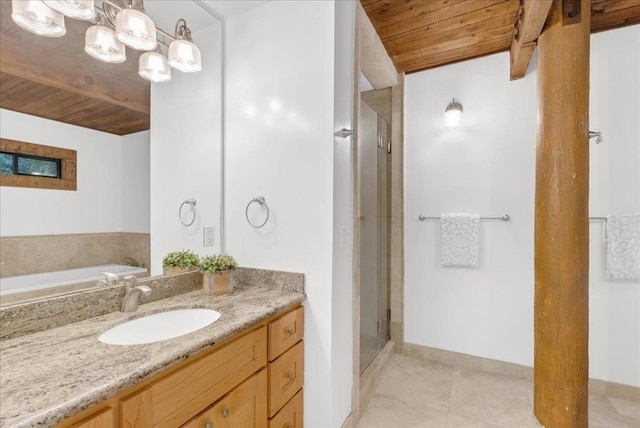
<point x="209" y="425"/>
<point x="288" y="426"/>
<point x="291" y="376"/>
<point x="225" y="412"/>
<point x="290" y="331"/>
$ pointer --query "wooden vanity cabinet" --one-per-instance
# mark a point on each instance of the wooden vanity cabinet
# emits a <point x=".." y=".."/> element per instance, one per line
<point x="253" y="379"/>
<point x="245" y="406"/>
<point x="286" y="370"/>
<point x="101" y="419"/>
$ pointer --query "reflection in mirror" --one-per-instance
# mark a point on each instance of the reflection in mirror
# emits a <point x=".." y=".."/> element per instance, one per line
<point x="131" y="139"/>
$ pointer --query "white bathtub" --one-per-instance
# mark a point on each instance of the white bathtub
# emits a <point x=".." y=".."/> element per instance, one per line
<point x="62" y="278"/>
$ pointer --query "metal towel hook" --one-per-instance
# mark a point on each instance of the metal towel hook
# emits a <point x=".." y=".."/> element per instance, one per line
<point x="192" y="203"/>
<point x="343" y="133"/>
<point x="597" y="135"/>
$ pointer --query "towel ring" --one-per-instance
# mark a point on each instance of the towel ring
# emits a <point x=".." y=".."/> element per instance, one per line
<point x="192" y="203"/>
<point x="260" y="200"/>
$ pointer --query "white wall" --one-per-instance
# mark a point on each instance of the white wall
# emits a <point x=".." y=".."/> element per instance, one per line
<point x="614" y="306"/>
<point x="98" y="204"/>
<point x="487" y="165"/>
<point x="135" y="166"/>
<point x="342" y="295"/>
<point x="186" y="130"/>
<point x="279" y="143"/>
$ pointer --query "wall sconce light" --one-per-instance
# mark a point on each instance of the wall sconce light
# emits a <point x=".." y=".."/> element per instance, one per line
<point x="37" y="17"/>
<point x="135" y="29"/>
<point x="453" y="113"/>
<point x="76" y="9"/>
<point x="184" y="55"/>
<point x="101" y="43"/>
<point x="154" y="67"/>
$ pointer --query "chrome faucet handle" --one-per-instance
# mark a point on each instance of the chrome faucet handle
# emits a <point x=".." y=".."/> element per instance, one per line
<point x="110" y="278"/>
<point x="130" y="281"/>
<point x="144" y="289"/>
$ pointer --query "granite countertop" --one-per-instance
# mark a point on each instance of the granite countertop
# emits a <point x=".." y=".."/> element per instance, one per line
<point x="50" y="375"/>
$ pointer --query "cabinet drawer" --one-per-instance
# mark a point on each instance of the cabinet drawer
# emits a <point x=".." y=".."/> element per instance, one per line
<point x="285" y="332"/>
<point x="291" y="414"/>
<point x="103" y="419"/>
<point x="244" y="407"/>
<point x="174" y="399"/>
<point x="286" y="376"/>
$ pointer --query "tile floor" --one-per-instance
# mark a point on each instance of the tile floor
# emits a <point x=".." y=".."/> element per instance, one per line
<point x="417" y="393"/>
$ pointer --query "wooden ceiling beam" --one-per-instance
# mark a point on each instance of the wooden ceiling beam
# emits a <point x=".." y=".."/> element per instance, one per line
<point x="529" y="23"/>
<point x="603" y="18"/>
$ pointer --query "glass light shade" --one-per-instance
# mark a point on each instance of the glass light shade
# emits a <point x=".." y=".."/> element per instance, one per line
<point x="35" y="16"/>
<point x="101" y="43"/>
<point x="77" y="9"/>
<point x="136" y="30"/>
<point x="185" y="56"/>
<point x="154" y="67"/>
<point x="453" y="114"/>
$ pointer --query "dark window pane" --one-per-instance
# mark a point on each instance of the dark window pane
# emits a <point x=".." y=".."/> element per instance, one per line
<point x="6" y="164"/>
<point x="38" y="166"/>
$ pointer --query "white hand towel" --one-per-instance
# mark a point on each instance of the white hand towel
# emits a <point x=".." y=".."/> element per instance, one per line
<point x="460" y="239"/>
<point x="623" y="246"/>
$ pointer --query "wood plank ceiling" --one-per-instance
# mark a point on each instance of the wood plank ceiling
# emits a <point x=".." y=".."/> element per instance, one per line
<point x="54" y="78"/>
<point x="422" y="34"/>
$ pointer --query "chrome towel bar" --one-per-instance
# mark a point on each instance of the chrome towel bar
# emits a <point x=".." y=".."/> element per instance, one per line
<point x="505" y="217"/>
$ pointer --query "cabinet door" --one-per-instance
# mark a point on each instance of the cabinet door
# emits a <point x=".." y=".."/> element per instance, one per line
<point x="244" y="407"/>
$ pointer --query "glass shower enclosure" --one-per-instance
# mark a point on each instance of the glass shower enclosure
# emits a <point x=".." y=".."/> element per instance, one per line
<point x="375" y="166"/>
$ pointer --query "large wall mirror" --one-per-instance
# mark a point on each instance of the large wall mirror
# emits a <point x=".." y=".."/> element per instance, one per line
<point x="142" y="150"/>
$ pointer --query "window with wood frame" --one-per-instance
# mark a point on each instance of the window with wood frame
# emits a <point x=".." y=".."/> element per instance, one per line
<point x="34" y="165"/>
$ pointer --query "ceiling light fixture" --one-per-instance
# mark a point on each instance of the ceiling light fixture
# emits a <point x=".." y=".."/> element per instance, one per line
<point x="453" y="113"/>
<point x="132" y="28"/>
<point x="37" y="17"/>
<point x="101" y="43"/>
<point x="135" y="29"/>
<point x="184" y="55"/>
<point x="77" y="9"/>
<point x="154" y="67"/>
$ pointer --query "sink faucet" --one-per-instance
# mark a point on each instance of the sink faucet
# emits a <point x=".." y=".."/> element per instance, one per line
<point x="132" y="293"/>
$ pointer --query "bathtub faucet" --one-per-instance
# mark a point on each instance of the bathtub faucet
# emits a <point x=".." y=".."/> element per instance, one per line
<point x="110" y="278"/>
<point x="132" y="293"/>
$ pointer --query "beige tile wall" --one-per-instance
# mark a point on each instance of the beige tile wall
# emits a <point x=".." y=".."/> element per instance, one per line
<point x="24" y="255"/>
<point x="396" y="267"/>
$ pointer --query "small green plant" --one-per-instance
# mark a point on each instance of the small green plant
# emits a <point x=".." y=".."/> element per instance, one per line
<point x="217" y="263"/>
<point x="183" y="259"/>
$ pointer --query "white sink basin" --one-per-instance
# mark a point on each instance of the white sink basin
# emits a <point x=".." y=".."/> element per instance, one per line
<point x="160" y="326"/>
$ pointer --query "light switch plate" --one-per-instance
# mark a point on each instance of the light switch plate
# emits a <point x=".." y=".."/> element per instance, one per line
<point x="209" y="233"/>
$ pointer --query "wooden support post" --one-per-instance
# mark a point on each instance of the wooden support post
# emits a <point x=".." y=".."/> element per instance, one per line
<point x="561" y="361"/>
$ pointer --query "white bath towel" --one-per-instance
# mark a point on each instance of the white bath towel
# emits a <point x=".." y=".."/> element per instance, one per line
<point x="623" y="246"/>
<point x="460" y="239"/>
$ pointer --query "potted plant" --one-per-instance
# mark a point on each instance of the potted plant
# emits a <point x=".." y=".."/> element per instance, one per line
<point x="217" y="273"/>
<point x="179" y="261"/>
